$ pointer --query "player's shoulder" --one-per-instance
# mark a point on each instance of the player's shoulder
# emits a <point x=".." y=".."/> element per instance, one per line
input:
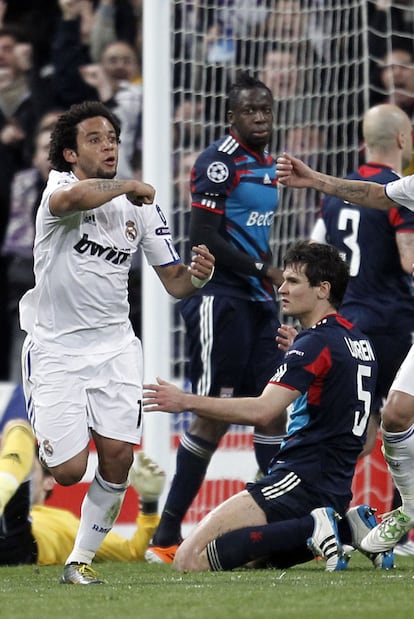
<point x="216" y="163"/>
<point x="332" y="325"/>
<point x="57" y="179"/>
<point x="223" y="149"/>
<point x="374" y="172"/>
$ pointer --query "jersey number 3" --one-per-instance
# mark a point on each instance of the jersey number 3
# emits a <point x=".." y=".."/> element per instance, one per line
<point x="350" y="218"/>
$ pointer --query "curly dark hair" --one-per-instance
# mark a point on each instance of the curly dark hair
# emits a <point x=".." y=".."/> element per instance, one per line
<point x="245" y="81"/>
<point x="322" y="263"/>
<point x="64" y="134"/>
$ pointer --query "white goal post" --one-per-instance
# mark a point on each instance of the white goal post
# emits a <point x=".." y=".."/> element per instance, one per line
<point x="319" y="57"/>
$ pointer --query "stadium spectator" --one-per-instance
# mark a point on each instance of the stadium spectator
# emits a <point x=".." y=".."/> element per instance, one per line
<point x="396" y="79"/>
<point x="189" y="123"/>
<point x="299" y="207"/>
<point x="290" y="81"/>
<point x="17" y="119"/>
<point x="26" y="189"/>
<point x="34" y="532"/>
<point x="88" y="227"/>
<point x="77" y="79"/>
<point x="280" y="72"/>
<point x="397" y="422"/>
<point x="375" y="242"/>
<point x="112" y="21"/>
<point x="385" y="16"/>
<point x="234" y="198"/>
<point x="329" y="376"/>
<point x="396" y="72"/>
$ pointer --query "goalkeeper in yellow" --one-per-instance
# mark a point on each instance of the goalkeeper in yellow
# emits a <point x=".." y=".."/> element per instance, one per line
<point x="32" y="532"/>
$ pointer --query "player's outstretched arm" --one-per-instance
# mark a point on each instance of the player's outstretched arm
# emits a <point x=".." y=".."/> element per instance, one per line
<point x="292" y="172"/>
<point x="258" y="411"/>
<point x="180" y="280"/>
<point x="93" y="192"/>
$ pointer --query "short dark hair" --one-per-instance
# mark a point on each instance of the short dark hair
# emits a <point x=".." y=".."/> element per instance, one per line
<point x="323" y="263"/>
<point x="65" y="131"/>
<point x="244" y="81"/>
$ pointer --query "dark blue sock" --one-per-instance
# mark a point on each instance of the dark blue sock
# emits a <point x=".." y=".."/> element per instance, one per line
<point x="193" y="457"/>
<point x="278" y="541"/>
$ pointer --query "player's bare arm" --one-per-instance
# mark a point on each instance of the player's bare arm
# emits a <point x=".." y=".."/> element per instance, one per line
<point x="259" y="411"/>
<point x="405" y="244"/>
<point x="90" y="193"/>
<point x="292" y="172"/>
<point x="181" y="280"/>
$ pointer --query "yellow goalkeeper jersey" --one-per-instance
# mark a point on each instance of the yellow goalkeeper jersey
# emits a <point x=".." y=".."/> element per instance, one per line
<point x="55" y="529"/>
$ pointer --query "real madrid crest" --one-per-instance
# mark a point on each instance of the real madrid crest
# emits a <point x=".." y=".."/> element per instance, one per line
<point x="130" y="230"/>
<point x="47" y="448"/>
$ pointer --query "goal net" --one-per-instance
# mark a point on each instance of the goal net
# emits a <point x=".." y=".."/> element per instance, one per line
<point x="319" y="58"/>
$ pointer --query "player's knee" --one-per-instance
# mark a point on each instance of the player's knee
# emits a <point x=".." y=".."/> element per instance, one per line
<point x="68" y="478"/>
<point x="187" y="560"/>
<point x="210" y="430"/>
<point x="69" y="473"/>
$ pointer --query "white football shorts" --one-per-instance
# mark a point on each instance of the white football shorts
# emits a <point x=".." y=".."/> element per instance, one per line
<point x="403" y="380"/>
<point x="66" y="395"/>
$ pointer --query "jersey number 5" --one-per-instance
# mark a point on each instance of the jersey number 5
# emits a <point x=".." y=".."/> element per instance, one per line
<point x="364" y="396"/>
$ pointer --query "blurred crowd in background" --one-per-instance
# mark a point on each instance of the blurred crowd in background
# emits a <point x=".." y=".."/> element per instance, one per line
<point x="58" y="52"/>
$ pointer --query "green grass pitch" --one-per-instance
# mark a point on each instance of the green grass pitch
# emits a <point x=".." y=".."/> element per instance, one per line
<point x="142" y="591"/>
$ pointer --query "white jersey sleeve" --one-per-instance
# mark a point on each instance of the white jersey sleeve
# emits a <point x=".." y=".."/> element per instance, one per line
<point x="401" y="191"/>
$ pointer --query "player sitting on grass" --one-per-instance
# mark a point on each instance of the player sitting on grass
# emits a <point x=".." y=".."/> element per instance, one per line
<point x="32" y="532"/>
<point x="329" y="375"/>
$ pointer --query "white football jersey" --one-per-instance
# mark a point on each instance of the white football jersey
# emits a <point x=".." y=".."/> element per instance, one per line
<point x="402" y="191"/>
<point x="81" y="264"/>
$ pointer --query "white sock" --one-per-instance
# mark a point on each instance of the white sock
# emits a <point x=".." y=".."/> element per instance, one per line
<point x="100" y="509"/>
<point x="398" y="449"/>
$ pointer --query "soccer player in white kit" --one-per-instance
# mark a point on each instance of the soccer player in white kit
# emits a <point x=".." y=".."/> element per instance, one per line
<point x="82" y="363"/>
<point x="397" y="424"/>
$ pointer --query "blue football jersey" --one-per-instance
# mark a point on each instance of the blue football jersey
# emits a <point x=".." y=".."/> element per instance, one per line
<point x="334" y="367"/>
<point x="379" y="295"/>
<point x="234" y="182"/>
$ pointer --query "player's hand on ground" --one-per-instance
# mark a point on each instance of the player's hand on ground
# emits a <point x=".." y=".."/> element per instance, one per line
<point x="202" y="263"/>
<point x="292" y="172"/>
<point x="143" y="194"/>
<point x="164" y="397"/>
<point x="285" y="336"/>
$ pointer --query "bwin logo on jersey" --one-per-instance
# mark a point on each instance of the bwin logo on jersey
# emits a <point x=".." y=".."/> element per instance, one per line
<point x="217" y="172"/>
<point x="281" y="371"/>
<point x="111" y="254"/>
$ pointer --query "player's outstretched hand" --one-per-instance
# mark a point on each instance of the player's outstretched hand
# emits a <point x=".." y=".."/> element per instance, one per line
<point x="285" y="336"/>
<point x="292" y="172"/>
<point x="143" y="194"/>
<point x="164" y="397"/>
